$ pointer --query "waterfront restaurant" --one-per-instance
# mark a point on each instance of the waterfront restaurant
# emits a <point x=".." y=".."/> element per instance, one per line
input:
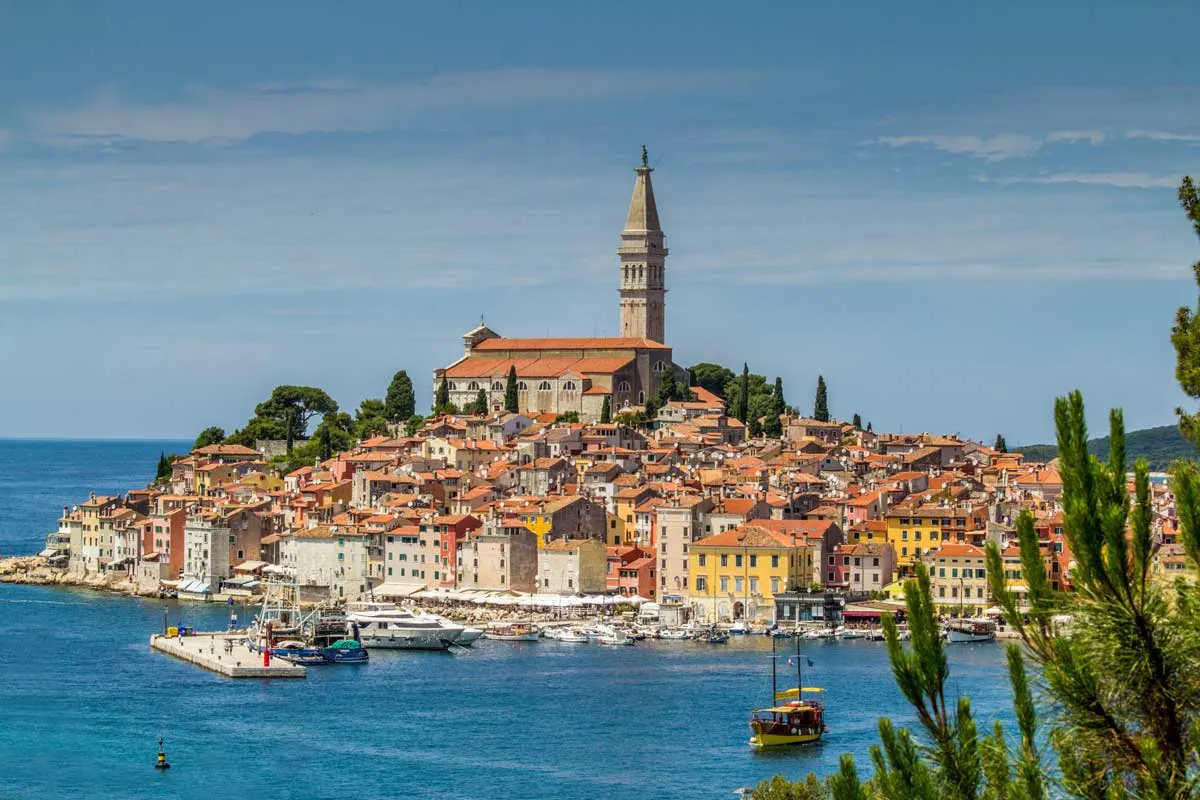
<point x="797" y="607"/>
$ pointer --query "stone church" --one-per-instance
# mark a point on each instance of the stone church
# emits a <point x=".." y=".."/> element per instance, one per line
<point x="567" y="374"/>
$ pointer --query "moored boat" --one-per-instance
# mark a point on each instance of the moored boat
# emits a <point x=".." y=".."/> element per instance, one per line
<point x="970" y="630"/>
<point x="798" y="720"/>
<point x="389" y="627"/>
<point x="346" y="651"/>
<point x="513" y="632"/>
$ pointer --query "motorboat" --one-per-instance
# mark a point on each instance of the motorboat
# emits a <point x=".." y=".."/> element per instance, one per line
<point x="820" y="633"/>
<point x="674" y="634"/>
<point x="962" y="631"/>
<point x="739" y="628"/>
<point x="387" y="626"/>
<point x="796" y="720"/>
<point x="853" y="633"/>
<point x="513" y="632"/>
<point x="615" y="637"/>
<point x="713" y="635"/>
<point x="571" y="636"/>
<point x="346" y="651"/>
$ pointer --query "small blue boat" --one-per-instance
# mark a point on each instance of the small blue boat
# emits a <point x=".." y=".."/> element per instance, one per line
<point x="346" y="651"/>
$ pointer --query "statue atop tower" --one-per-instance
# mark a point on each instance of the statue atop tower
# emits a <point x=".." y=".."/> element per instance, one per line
<point x="643" y="255"/>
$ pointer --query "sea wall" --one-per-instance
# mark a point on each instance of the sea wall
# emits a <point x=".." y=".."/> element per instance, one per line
<point x="33" y="570"/>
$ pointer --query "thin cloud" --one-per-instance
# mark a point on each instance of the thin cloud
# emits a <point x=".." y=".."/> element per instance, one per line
<point x="1121" y="180"/>
<point x="990" y="148"/>
<point x="207" y="114"/>
<point x="1163" y="136"/>
<point x="1095" y="137"/>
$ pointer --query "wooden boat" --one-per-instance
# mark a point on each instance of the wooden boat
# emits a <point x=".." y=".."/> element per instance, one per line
<point x="971" y="630"/>
<point x="513" y="632"/>
<point x="799" y="720"/>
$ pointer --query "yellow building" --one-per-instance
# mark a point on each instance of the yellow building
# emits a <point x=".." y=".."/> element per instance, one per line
<point x="958" y="579"/>
<point x="736" y="574"/>
<point x="914" y="530"/>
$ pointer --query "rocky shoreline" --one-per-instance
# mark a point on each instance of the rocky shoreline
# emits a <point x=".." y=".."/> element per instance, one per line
<point x="34" y="571"/>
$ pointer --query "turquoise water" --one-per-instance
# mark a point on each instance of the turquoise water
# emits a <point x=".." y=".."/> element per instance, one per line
<point x="83" y="699"/>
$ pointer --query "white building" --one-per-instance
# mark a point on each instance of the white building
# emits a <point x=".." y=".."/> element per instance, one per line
<point x="328" y="557"/>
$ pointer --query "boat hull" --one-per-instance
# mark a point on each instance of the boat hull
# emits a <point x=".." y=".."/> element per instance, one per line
<point x="512" y="637"/>
<point x="406" y="640"/>
<point x="964" y="637"/>
<point x="783" y="739"/>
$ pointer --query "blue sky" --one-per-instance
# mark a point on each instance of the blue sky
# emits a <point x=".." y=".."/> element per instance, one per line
<point x="953" y="212"/>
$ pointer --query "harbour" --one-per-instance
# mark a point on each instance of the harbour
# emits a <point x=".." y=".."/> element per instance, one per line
<point x="661" y="719"/>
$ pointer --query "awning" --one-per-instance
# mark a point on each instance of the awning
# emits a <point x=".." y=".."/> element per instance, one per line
<point x="250" y="566"/>
<point x="862" y="613"/>
<point x="242" y="581"/>
<point x="397" y="589"/>
<point x="193" y="586"/>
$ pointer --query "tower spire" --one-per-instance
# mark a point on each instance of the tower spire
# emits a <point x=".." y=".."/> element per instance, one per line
<point x="643" y="256"/>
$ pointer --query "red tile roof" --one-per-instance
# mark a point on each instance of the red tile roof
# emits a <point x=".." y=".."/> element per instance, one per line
<point x="617" y="343"/>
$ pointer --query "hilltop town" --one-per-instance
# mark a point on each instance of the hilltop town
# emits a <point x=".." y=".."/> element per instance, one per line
<point x="578" y="466"/>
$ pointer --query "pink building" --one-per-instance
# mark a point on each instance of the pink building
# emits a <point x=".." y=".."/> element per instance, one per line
<point x="631" y="572"/>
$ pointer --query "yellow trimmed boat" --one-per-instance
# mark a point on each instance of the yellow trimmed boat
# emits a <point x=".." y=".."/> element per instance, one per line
<point x="799" y="720"/>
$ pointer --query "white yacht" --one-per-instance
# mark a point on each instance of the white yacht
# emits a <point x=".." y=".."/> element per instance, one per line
<point x="387" y="626"/>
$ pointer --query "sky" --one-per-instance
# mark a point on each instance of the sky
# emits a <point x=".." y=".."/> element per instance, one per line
<point x="953" y="212"/>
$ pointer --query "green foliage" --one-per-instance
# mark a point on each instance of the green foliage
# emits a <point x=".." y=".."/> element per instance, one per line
<point x="285" y="415"/>
<point x="399" y="403"/>
<point x="441" y="398"/>
<point x="210" y="435"/>
<point x="856" y="421"/>
<point x="1185" y="335"/>
<point x="780" y="788"/>
<point x="632" y="418"/>
<point x="163" y="471"/>
<point x="821" y="402"/>
<point x="670" y="389"/>
<point x="651" y="407"/>
<point x="754" y="428"/>
<point x="772" y="425"/>
<point x="371" y="419"/>
<point x="1123" y="678"/>
<point x="480" y="406"/>
<point x="1160" y="447"/>
<point x="1000" y="444"/>
<point x="511" y="403"/>
<point x="568" y="416"/>
<point x="742" y="403"/>
<point x="606" y="410"/>
<point x="413" y="424"/>
<point x="712" y="377"/>
<point x="447" y="409"/>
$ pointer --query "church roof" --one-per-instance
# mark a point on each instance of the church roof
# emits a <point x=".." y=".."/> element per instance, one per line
<point x="643" y="213"/>
<point x="477" y="367"/>
<point x="604" y="343"/>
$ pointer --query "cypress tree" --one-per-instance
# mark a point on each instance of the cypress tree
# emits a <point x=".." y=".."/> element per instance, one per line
<point x="756" y="428"/>
<point x="870" y="429"/>
<point x="857" y="421"/>
<point x="606" y="411"/>
<point x="442" y="398"/>
<point x="481" y="403"/>
<point x="1000" y="445"/>
<point x="510" y="391"/>
<point x="742" y="410"/>
<point x="1185" y="335"/>
<point x="399" y="403"/>
<point x="821" y="404"/>
<point x="667" y="390"/>
<point x="777" y="397"/>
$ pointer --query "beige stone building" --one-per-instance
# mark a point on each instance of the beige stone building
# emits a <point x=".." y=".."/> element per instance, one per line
<point x="556" y="375"/>
<point x="573" y="566"/>
<point x="503" y="554"/>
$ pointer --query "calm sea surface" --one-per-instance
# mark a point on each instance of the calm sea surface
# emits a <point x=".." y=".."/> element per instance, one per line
<point x="83" y="699"/>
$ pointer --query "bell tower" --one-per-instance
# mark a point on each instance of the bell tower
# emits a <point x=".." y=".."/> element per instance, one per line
<point x="643" y="254"/>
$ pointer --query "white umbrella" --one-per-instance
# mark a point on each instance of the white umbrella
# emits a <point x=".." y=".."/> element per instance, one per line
<point x="637" y="600"/>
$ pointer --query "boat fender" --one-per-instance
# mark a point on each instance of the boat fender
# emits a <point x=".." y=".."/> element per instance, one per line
<point x="795" y="731"/>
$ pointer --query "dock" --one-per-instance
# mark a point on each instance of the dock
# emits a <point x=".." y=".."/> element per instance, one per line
<point x="208" y="650"/>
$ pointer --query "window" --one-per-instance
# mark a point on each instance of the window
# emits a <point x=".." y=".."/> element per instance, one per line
<point x="544" y="386"/>
<point x="753" y="585"/>
<point x="774" y="585"/>
<point x="473" y="386"/>
<point x="774" y="562"/>
<point x="916" y="536"/>
<point x="570" y="386"/>
<point x="724" y="560"/>
<point x="904" y="551"/>
<point x="522" y="386"/>
<point x="701" y="584"/>
<point x="904" y="536"/>
<point x="702" y="559"/>
<point x="941" y="572"/>
<point x="754" y="561"/>
<point x="659" y="366"/>
<point x="497" y="386"/>
<point x="724" y="583"/>
<point x="874" y="562"/>
<point x="341" y="556"/>
<point x="739" y="584"/>
<point x="941" y="591"/>
<point x="737" y="560"/>
<point x="845" y="561"/>
<point x="624" y="387"/>
<point x="452" y="386"/>
<point x="954" y="572"/>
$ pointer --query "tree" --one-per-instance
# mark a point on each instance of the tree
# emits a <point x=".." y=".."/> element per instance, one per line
<point x="285" y="415"/>
<point x="755" y="428"/>
<point x="742" y="409"/>
<point x="163" y="472"/>
<point x="821" y="403"/>
<point x="371" y="419"/>
<point x="441" y="398"/>
<point x="857" y="421"/>
<point x="670" y="389"/>
<point x="480" y="406"/>
<point x="1185" y="335"/>
<point x="712" y="377"/>
<point x="511" y="401"/>
<point x="870" y="429"/>
<point x="568" y="417"/>
<point x="1000" y="445"/>
<point x="606" y="410"/>
<point x="210" y="435"/>
<point x="399" y="403"/>
<point x="413" y="424"/>
<point x="651" y="408"/>
<point x="780" y="788"/>
<point x="780" y="405"/>
<point x="772" y="424"/>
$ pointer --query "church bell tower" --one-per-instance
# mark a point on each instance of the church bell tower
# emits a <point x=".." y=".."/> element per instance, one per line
<point x="643" y="254"/>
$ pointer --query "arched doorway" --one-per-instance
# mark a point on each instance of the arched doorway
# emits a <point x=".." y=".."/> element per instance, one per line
<point x="739" y="610"/>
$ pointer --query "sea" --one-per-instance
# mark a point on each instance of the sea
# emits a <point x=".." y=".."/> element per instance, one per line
<point x="84" y="701"/>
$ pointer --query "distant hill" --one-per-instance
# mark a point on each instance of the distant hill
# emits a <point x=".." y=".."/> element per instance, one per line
<point x="1159" y="446"/>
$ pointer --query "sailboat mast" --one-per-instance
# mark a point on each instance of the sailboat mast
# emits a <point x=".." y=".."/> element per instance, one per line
<point x="773" y="660"/>
<point x="799" y="678"/>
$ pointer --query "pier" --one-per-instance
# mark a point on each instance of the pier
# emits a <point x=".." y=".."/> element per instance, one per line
<point x="208" y="650"/>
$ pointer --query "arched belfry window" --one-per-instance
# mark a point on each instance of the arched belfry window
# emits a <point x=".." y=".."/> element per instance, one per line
<point x="623" y="387"/>
<point x="497" y="386"/>
<point x="570" y="386"/>
<point x="522" y="386"/>
<point x="473" y="386"/>
<point x="544" y="386"/>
